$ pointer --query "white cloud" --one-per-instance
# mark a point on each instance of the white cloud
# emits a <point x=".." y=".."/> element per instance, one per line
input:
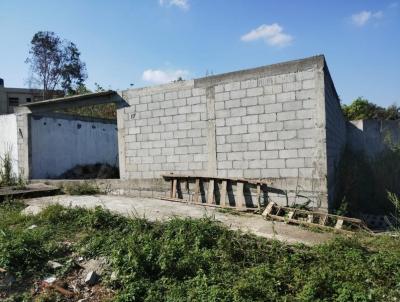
<point x="182" y="4"/>
<point x="362" y="18"/>
<point x="158" y="76"/>
<point x="272" y="34"/>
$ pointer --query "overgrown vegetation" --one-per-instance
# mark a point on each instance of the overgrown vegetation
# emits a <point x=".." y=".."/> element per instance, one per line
<point x="196" y="260"/>
<point x="362" y="109"/>
<point x="7" y="175"/>
<point x="364" y="182"/>
<point x="83" y="188"/>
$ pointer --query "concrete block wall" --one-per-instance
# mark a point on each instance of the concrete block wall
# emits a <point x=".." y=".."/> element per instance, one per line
<point x="336" y="135"/>
<point x="164" y="129"/>
<point x="267" y="122"/>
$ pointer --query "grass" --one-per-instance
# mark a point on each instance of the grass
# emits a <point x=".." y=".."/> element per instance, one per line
<point x="84" y="188"/>
<point x="196" y="260"/>
<point x="7" y="176"/>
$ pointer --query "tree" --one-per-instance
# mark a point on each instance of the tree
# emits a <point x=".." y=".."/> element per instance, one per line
<point x="362" y="109"/>
<point x="55" y="63"/>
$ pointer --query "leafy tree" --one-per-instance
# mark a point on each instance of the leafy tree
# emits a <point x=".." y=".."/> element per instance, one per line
<point x="55" y="63"/>
<point x="363" y="109"/>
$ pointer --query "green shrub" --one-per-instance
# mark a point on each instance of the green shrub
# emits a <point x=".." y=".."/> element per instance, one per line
<point x="84" y="188"/>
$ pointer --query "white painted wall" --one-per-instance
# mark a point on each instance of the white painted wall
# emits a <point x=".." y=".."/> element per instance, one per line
<point x="60" y="143"/>
<point x="8" y="138"/>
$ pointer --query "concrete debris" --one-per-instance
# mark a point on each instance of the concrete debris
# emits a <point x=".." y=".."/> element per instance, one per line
<point x="54" y="264"/>
<point x="91" y="278"/>
<point x="99" y="265"/>
<point x="114" y="276"/>
<point x="50" y="280"/>
<point x="33" y="226"/>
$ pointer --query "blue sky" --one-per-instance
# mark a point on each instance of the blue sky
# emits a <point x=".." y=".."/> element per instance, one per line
<point x="151" y="41"/>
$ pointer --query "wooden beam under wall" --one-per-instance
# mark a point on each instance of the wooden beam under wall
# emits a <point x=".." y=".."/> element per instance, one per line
<point x="173" y="191"/>
<point x="196" y="191"/>
<point x="223" y="194"/>
<point x="210" y="192"/>
<point x="240" y="201"/>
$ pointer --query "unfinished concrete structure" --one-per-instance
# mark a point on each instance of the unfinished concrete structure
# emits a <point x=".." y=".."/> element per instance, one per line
<point x="282" y="123"/>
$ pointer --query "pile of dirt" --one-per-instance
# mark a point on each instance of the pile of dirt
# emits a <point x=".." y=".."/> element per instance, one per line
<point x="99" y="171"/>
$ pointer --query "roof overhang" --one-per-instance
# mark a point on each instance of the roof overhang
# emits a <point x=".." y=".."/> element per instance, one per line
<point x="89" y="99"/>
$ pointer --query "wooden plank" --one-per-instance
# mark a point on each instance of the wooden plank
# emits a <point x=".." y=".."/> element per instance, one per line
<point x="210" y="192"/>
<point x="268" y="209"/>
<point x="196" y="191"/>
<point x="173" y="191"/>
<point x="339" y="224"/>
<point x="259" y="196"/>
<point x="240" y="201"/>
<point x="223" y="189"/>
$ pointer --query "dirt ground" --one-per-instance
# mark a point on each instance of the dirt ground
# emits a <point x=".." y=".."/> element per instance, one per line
<point x="156" y="209"/>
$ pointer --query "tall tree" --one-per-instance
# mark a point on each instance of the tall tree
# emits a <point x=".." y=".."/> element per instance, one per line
<point x="55" y="63"/>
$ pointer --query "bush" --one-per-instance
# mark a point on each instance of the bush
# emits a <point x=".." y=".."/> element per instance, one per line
<point x="84" y="188"/>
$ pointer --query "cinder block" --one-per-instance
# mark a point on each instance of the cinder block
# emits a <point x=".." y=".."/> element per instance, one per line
<point x="250" y="137"/>
<point x="171" y="95"/>
<point x="286" y="96"/>
<point x="295" y="163"/>
<point x="234" y="138"/>
<point x="305" y="114"/>
<point x="288" y="153"/>
<point x="232" y="103"/>
<point x="255" y="91"/>
<point x="252" y="155"/>
<point x="171" y="127"/>
<point x="286" y="115"/>
<point x="305" y="94"/>
<point x="235" y="156"/>
<point x="292" y="106"/>
<point x="240" y="129"/>
<point x="233" y="121"/>
<point x="184" y="109"/>
<point x="158" y="112"/>
<point x="224" y="148"/>
<point x="268" y="117"/>
<point x="223" y="130"/>
<point x="198" y="91"/>
<point x="141" y="107"/>
<point x="258" y="164"/>
<point x="284" y="78"/>
<point x="232" y="86"/>
<point x="269" y="136"/>
<point x="274" y="126"/>
<point x="256" y="128"/>
<point x="259" y="109"/>
<point x="272" y="108"/>
<point x="292" y="172"/>
<point x="267" y="99"/>
<point x="180" y="118"/>
<point x="305" y="75"/>
<point x="250" y="119"/>
<point x="166" y="104"/>
<point x="250" y="101"/>
<point x="158" y="128"/>
<point x="237" y="94"/>
<point x="194" y="133"/>
<point x="287" y="134"/>
<point x="294" y="144"/>
<point x="248" y="84"/>
<point x="220" y="97"/>
<point x="293" y="125"/>
<point x="269" y="154"/>
<point x="171" y="111"/>
<point x="269" y="173"/>
<point x="184" y="93"/>
<point x="153" y="106"/>
<point x="306" y="172"/>
<point x="237" y="147"/>
<point x="275" y="163"/>
<point x="275" y="145"/>
<point x="222" y="113"/>
<point x="274" y="89"/>
<point x="193" y="117"/>
<point x="306" y="133"/>
<point x="240" y="164"/>
<point x="238" y="111"/>
<point x="254" y="146"/>
<point x="293" y="86"/>
<point x="306" y="152"/>
<point x="252" y="173"/>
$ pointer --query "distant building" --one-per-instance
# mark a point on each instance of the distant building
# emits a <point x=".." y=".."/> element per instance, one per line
<point x="12" y="97"/>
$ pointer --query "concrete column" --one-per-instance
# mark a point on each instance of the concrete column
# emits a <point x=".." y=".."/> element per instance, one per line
<point x="23" y="145"/>
<point x="211" y="136"/>
<point x="121" y="141"/>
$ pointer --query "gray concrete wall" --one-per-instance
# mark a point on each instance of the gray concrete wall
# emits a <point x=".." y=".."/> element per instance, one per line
<point x="335" y="135"/>
<point x="371" y="137"/>
<point x="59" y="142"/>
<point x="267" y="122"/>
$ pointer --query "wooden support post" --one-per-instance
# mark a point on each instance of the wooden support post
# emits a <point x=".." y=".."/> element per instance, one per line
<point x="210" y="192"/>
<point x="240" y="201"/>
<point x="196" y="191"/>
<point x="173" y="190"/>
<point x="223" y="194"/>
<point x="259" y="196"/>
